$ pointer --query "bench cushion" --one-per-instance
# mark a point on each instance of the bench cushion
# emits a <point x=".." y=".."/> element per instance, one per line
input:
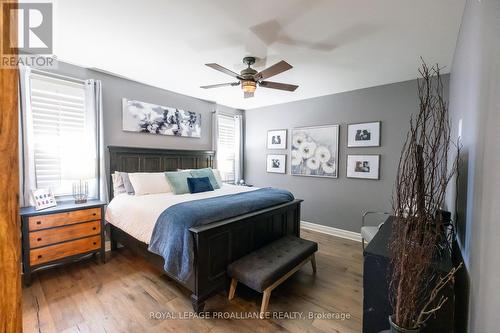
<point x="261" y="268"/>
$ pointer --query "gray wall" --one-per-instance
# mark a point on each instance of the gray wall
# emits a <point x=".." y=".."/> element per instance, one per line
<point x="475" y="98"/>
<point x="115" y="88"/>
<point x="338" y="202"/>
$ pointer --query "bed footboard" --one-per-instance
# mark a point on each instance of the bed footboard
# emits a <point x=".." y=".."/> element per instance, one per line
<point x="218" y="244"/>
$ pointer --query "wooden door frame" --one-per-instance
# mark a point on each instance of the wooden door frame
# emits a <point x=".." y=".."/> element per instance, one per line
<point x="10" y="242"/>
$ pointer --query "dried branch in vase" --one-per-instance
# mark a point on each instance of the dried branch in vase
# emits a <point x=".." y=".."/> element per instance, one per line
<point x="423" y="176"/>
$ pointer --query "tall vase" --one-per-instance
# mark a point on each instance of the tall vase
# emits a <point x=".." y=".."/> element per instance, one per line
<point x="396" y="329"/>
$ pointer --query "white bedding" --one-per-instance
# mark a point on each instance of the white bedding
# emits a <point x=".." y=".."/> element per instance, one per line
<point x="137" y="215"/>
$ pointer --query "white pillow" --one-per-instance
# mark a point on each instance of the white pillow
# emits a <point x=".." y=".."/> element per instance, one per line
<point x="149" y="182"/>
<point x="218" y="177"/>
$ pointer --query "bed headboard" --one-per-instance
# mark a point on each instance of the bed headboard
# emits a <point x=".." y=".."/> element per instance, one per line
<point x="132" y="159"/>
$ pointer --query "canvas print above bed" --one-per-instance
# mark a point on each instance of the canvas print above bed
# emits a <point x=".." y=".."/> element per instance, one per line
<point x="156" y="119"/>
<point x="314" y="151"/>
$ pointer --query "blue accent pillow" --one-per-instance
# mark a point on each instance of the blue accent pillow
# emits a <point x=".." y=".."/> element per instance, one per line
<point x="197" y="185"/>
<point x="178" y="181"/>
<point x="205" y="172"/>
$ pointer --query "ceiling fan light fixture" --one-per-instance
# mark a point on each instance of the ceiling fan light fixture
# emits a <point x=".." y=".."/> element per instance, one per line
<point x="248" y="86"/>
<point x="249" y="78"/>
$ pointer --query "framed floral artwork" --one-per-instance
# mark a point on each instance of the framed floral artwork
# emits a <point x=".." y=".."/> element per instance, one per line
<point x="315" y="151"/>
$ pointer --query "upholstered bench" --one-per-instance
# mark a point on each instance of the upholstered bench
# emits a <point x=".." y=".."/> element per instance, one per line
<point x="266" y="268"/>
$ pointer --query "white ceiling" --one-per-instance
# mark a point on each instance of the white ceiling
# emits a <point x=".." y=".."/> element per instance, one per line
<point x="334" y="45"/>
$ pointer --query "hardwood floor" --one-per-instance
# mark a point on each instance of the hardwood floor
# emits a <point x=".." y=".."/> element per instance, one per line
<point x="122" y="295"/>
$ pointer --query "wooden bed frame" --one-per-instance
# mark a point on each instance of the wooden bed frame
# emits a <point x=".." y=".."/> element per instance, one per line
<point x="215" y="245"/>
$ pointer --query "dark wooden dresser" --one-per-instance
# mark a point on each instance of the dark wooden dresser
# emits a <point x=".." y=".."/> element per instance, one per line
<point x="376" y="305"/>
<point x="62" y="234"/>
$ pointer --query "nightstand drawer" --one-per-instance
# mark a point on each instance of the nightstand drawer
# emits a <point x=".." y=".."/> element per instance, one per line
<point x="61" y="234"/>
<point x="56" y="220"/>
<point x="58" y="251"/>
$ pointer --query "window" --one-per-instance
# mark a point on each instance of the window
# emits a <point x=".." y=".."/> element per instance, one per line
<point x="64" y="135"/>
<point x="226" y="147"/>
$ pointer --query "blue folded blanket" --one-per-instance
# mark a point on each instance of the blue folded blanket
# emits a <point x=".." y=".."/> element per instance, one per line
<point x="171" y="237"/>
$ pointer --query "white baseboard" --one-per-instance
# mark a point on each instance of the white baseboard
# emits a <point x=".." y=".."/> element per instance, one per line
<point x="351" y="235"/>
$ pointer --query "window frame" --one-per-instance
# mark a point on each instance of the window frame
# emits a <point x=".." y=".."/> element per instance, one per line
<point x="218" y="152"/>
<point x="93" y="125"/>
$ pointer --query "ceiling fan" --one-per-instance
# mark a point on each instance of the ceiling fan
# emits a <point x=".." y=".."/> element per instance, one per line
<point x="249" y="78"/>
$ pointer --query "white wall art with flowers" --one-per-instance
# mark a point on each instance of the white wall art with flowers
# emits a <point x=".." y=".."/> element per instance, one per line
<point x="315" y="151"/>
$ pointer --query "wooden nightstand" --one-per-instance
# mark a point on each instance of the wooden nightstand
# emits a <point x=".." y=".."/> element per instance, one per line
<point x="62" y="234"/>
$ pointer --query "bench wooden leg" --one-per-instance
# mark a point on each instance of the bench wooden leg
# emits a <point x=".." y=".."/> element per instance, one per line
<point x="267" y="291"/>
<point x="265" y="302"/>
<point x="232" y="289"/>
<point x="313" y="263"/>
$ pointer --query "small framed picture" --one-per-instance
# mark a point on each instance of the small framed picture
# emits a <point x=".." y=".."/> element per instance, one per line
<point x="363" y="135"/>
<point x="276" y="139"/>
<point x="276" y="163"/>
<point x="363" y="166"/>
<point x="43" y="198"/>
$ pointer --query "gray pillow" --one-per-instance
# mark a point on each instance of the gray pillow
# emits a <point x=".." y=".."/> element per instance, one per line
<point x="128" y="185"/>
<point x="126" y="182"/>
<point x="118" y="186"/>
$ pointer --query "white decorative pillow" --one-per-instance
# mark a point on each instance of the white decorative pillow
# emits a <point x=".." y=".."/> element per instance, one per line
<point x="149" y="182"/>
<point x="218" y="177"/>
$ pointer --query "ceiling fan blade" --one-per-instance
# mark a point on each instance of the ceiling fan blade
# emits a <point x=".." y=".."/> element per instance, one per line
<point x="224" y="70"/>
<point x="277" y="85"/>
<point x="275" y="69"/>
<point x="248" y="94"/>
<point x="221" y="85"/>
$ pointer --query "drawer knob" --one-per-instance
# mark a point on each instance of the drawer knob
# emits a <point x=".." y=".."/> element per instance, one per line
<point x="95" y="243"/>
<point x="38" y="239"/>
<point x="94" y="214"/>
<point x="94" y="228"/>
<point x="39" y="256"/>
<point x="38" y="222"/>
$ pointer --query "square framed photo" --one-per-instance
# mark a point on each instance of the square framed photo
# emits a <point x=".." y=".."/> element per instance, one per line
<point x="363" y="166"/>
<point x="363" y="135"/>
<point x="315" y="151"/>
<point x="276" y="139"/>
<point x="276" y="163"/>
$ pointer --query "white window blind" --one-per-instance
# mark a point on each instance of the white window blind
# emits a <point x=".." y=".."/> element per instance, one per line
<point x="226" y="147"/>
<point x="64" y="135"/>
